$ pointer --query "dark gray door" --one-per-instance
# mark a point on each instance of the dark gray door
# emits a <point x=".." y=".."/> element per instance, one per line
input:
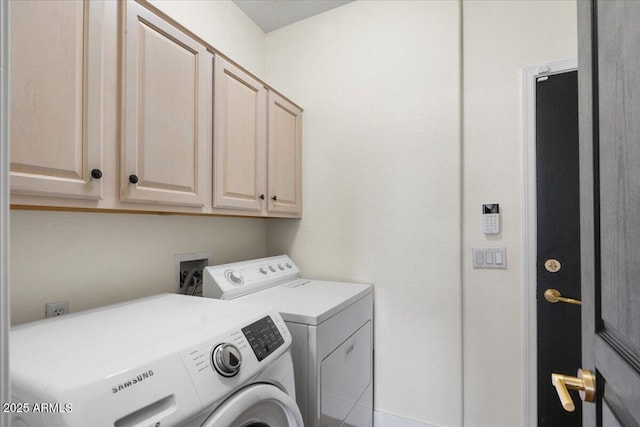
<point x="557" y="241"/>
<point x="609" y="90"/>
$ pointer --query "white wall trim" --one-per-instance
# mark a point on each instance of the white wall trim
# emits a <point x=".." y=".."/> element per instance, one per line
<point x="384" y="419"/>
<point x="528" y="147"/>
<point x="5" y="392"/>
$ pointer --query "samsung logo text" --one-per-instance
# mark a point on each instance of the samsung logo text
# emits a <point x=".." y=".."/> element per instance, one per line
<point x="132" y="381"/>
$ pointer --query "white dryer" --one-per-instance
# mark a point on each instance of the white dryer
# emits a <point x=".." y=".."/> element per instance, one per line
<point x="332" y="328"/>
<point x="169" y="360"/>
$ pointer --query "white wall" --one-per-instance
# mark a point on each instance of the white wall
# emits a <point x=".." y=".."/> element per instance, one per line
<point x="93" y="259"/>
<point x="379" y="81"/>
<point x="500" y="37"/>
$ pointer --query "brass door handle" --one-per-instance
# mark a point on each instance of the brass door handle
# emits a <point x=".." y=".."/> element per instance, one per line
<point x="585" y="383"/>
<point x="554" y="296"/>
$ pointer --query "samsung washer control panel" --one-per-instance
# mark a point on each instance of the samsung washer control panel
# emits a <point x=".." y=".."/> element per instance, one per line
<point x="223" y="361"/>
<point x="263" y="337"/>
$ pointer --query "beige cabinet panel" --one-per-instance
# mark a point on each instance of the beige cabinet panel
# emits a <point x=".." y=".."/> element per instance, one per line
<point x="167" y="105"/>
<point x="285" y="157"/>
<point x="56" y="98"/>
<point x="240" y="139"/>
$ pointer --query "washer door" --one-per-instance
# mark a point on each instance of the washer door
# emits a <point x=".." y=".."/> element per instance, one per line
<point x="259" y="405"/>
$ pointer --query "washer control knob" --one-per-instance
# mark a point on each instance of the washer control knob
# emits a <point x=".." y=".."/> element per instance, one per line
<point x="272" y="268"/>
<point x="235" y="277"/>
<point x="289" y="265"/>
<point x="263" y="270"/>
<point x="281" y="267"/>
<point x="226" y="359"/>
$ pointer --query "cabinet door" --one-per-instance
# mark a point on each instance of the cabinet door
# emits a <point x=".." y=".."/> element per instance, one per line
<point x="285" y="157"/>
<point x="240" y="139"/>
<point x="167" y="104"/>
<point x="56" y="98"/>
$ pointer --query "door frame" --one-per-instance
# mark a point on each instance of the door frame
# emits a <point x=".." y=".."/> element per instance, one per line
<point x="5" y="393"/>
<point x="529" y="77"/>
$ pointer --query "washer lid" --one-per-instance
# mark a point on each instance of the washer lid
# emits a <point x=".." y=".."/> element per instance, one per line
<point x="309" y="302"/>
<point x="261" y="404"/>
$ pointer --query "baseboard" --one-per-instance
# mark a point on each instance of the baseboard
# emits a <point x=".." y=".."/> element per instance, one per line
<point x="383" y="419"/>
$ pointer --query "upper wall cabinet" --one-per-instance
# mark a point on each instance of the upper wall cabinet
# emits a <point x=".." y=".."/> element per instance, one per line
<point x="240" y="139"/>
<point x="167" y="110"/>
<point x="285" y="156"/>
<point x="56" y="98"/>
<point x="257" y="146"/>
<point x="115" y="106"/>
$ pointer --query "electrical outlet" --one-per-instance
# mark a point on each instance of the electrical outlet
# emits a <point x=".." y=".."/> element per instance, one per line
<point x="57" y="308"/>
<point x="184" y="264"/>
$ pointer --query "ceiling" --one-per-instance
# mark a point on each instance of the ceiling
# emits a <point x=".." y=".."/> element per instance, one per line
<point x="273" y="14"/>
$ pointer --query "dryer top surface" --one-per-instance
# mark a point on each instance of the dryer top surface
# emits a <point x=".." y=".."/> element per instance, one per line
<point x="310" y="302"/>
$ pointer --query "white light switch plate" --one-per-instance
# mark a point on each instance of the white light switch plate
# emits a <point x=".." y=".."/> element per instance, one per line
<point x="489" y="258"/>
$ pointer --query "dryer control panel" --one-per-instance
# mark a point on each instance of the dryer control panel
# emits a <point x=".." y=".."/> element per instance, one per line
<point x="234" y="280"/>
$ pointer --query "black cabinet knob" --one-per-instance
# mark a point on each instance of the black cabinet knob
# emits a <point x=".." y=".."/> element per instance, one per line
<point x="96" y="173"/>
<point x="262" y="197"/>
<point x="133" y="179"/>
<point x="274" y="198"/>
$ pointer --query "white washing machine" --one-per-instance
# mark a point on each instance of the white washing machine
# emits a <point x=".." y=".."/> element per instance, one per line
<point x="332" y="328"/>
<point x="169" y="360"/>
